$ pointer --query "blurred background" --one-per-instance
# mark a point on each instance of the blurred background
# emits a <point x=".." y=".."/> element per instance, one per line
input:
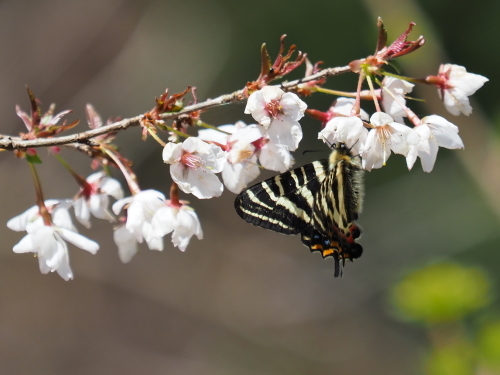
<point x="245" y="300"/>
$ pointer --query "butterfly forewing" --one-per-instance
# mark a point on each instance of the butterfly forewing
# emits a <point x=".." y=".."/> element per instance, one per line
<point x="283" y="203"/>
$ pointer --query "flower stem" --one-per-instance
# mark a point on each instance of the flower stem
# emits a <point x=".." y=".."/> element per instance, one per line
<point x="333" y="92"/>
<point x="155" y="136"/>
<point x="372" y="89"/>
<point x="44" y="213"/>
<point x="126" y="170"/>
<point x="409" y="79"/>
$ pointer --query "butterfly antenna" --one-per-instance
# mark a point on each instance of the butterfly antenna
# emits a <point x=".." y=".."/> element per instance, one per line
<point x="331" y="145"/>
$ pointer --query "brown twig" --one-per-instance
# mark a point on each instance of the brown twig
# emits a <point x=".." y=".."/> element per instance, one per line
<point x="75" y="140"/>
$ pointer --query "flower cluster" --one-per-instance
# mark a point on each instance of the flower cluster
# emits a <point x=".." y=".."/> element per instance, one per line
<point x="237" y="151"/>
<point x="387" y="132"/>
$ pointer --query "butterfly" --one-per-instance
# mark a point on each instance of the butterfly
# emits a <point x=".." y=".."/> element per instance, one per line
<point x="320" y="200"/>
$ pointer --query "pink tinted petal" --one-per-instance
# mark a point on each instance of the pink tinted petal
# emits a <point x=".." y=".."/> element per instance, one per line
<point x="24" y="116"/>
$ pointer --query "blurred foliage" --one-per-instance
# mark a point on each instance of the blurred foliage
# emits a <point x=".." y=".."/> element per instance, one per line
<point x="489" y="345"/>
<point x="442" y="293"/>
<point x="454" y="359"/>
<point x="444" y="296"/>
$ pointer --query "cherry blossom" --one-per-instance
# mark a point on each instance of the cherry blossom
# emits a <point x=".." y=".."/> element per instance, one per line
<point x="279" y="113"/>
<point x="241" y="167"/>
<point x="48" y="243"/>
<point x="455" y="85"/>
<point x="394" y="104"/>
<point x="425" y="139"/>
<point x="140" y="210"/>
<point x="349" y="130"/>
<point x="271" y="155"/>
<point x="93" y="198"/>
<point x="126" y="242"/>
<point x="181" y="220"/>
<point x="59" y="210"/>
<point x="193" y="166"/>
<point x="343" y="107"/>
<point x="385" y="136"/>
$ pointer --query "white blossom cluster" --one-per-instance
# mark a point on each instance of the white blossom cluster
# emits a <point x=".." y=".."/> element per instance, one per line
<point x="387" y="131"/>
<point x="149" y="217"/>
<point x="238" y="152"/>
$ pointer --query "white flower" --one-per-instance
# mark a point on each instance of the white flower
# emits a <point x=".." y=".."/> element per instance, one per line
<point x="47" y="242"/>
<point x="181" y="220"/>
<point x="140" y="210"/>
<point x="126" y="242"/>
<point x="425" y="139"/>
<point x="349" y="130"/>
<point x="241" y="167"/>
<point x="399" y="88"/>
<point x="59" y="210"/>
<point x="94" y="198"/>
<point x="456" y="86"/>
<point x="279" y="113"/>
<point x="386" y="135"/>
<point x="193" y="166"/>
<point x="343" y="106"/>
<point x="271" y="155"/>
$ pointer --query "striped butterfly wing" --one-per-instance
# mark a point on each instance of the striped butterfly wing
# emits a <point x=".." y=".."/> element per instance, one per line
<point x="336" y="207"/>
<point x="320" y="201"/>
<point x="283" y="203"/>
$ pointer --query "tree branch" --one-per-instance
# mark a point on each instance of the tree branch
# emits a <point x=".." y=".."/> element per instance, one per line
<point x="12" y="143"/>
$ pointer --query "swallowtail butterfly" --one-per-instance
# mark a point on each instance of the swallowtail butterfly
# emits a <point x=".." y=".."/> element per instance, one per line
<point x="320" y="200"/>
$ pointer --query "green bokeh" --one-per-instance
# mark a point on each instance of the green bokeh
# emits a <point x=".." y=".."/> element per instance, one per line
<point x="453" y="359"/>
<point x="441" y="293"/>
<point x="489" y="345"/>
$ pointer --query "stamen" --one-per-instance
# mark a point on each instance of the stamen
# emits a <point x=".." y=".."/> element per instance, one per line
<point x="192" y="161"/>
<point x="274" y="108"/>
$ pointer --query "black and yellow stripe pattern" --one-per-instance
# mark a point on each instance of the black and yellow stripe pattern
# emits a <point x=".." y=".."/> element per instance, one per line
<point x="320" y="200"/>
